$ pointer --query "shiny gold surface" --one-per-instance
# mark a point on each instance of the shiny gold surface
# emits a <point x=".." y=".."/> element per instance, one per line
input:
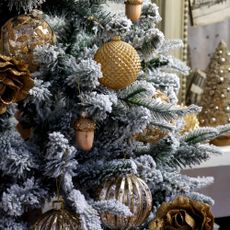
<point x="58" y="219"/>
<point x="134" y="193"/>
<point x="20" y="35"/>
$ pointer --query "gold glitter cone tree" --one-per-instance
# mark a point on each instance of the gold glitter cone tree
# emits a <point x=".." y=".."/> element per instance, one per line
<point x="215" y="99"/>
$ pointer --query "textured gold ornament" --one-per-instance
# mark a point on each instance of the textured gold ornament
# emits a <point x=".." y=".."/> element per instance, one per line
<point x="133" y="9"/>
<point x="151" y="134"/>
<point x="85" y="128"/>
<point x="120" y="64"/>
<point x="15" y="81"/>
<point x="21" y="34"/>
<point x="183" y="213"/>
<point x="191" y="122"/>
<point x="58" y="219"/>
<point x="134" y="193"/>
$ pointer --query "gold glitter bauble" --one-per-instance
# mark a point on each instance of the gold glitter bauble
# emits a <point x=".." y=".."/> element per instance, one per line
<point x="120" y="64"/>
<point x="132" y="192"/>
<point x="57" y="219"/>
<point x="153" y="134"/>
<point x="21" y="34"/>
<point x="191" y="122"/>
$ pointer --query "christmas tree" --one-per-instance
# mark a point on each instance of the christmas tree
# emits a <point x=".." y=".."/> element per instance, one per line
<point x="83" y="87"/>
<point x="216" y="95"/>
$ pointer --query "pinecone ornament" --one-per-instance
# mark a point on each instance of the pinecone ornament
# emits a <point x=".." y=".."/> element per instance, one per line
<point x="15" y="81"/>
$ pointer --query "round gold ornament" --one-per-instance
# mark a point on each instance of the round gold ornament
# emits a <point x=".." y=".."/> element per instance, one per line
<point x="153" y="134"/>
<point x="57" y="219"/>
<point x="120" y="64"/>
<point x="132" y="192"/>
<point x="85" y="128"/>
<point x="133" y="9"/>
<point x="21" y="34"/>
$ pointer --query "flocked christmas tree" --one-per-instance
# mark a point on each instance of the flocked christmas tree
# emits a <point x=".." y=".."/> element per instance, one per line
<point x="215" y="99"/>
<point x="95" y="85"/>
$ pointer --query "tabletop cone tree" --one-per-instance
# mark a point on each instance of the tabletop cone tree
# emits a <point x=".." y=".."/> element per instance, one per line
<point x="215" y="99"/>
<point x="79" y="127"/>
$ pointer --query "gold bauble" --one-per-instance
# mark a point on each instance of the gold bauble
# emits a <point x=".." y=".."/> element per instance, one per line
<point x="153" y="134"/>
<point x="21" y="34"/>
<point x="58" y="219"/>
<point x="132" y="192"/>
<point x="120" y="64"/>
<point x="191" y="122"/>
<point x="85" y="128"/>
<point x="133" y="9"/>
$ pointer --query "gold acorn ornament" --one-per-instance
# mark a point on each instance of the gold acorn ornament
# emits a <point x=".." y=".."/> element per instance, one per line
<point x="152" y="134"/>
<point x="131" y="191"/>
<point x="85" y="128"/>
<point x="22" y="34"/>
<point x="120" y="63"/>
<point x="58" y="218"/>
<point x="133" y="9"/>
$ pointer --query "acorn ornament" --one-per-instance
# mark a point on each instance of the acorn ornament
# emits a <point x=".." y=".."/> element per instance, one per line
<point x="131" y="191"/>
<point x="22" y="34"/>
<point x="133" y="9"/>
<point x="120" y="64"/>
<point x="85" y="128"/>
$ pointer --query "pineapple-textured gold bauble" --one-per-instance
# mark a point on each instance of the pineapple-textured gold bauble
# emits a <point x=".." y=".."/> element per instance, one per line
<point x="132" y="192"/>
<point x="153" y="134"/>
<point x="21" y="34"/>
<point x="191" y="122"/>
<point x="85" y="128"/>
<point x="120" y="64"/>
<point x="58" y="219"/>
<point x="133" y="9"/>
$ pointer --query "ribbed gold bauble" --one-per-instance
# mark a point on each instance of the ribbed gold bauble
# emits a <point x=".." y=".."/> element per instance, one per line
<point x="58" y="219"/>
<point x="21" y="34"/>
<point x="120" y="64"/>
<point x="134" y="193"/>
<point x="153" y="134"/>
<point x="133" y="9"/>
